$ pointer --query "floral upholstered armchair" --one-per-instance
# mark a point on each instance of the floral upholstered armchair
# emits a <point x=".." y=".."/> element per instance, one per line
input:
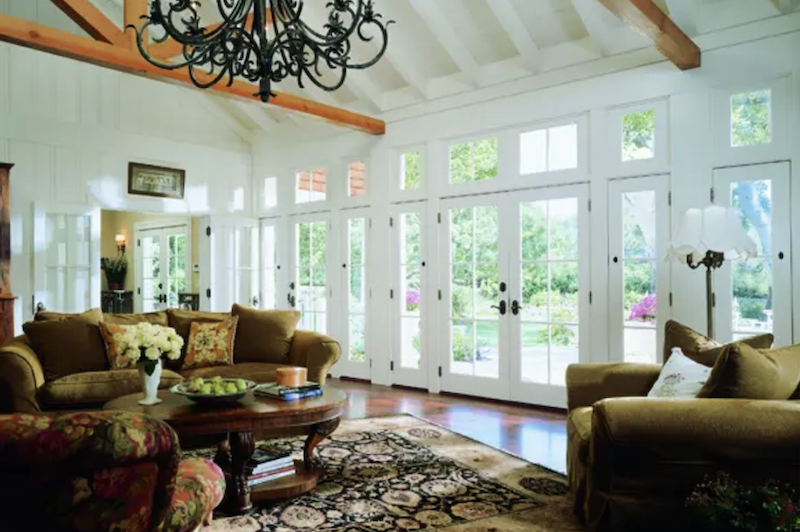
<point x="101" y="471"/>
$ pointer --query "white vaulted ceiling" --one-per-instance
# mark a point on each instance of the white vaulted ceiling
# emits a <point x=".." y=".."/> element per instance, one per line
<point x="443" y="48"/>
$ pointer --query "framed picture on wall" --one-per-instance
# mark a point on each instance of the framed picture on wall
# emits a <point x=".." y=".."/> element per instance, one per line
<point x="158" y="181"/>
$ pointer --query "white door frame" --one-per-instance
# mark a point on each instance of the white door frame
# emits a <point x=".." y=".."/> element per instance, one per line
<point x="140" y="229"/>
<point x="331" y="259"/>
<point x="281" y="259"/>
<point x="660" y="185"/>
<point x="40" y="212"/>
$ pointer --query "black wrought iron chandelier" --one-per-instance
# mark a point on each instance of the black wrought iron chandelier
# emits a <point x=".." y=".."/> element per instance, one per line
<point x="265" y="41"/>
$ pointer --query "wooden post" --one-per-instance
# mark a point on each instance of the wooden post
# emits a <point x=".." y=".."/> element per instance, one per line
<point x="6" y="298"/>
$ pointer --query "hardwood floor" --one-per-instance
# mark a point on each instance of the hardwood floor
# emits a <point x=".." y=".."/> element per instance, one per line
<point x="537" y="435"/>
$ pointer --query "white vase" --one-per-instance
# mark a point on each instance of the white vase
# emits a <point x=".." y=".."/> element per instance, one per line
<point x="150" y="384"/>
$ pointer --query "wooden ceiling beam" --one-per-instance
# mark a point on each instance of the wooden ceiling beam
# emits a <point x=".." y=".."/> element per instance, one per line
<point x="123" y="59"/>
<point x="133" y="11"/>
<point x="653" y="24"/>
<point x="92" y="21"/>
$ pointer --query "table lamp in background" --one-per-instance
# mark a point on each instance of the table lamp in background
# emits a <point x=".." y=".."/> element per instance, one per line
<point x="708" y="237"/>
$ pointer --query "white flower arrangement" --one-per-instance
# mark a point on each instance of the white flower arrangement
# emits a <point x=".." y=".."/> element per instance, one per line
<point x="147" y="343"/>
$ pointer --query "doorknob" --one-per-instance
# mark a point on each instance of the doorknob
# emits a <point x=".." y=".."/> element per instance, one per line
<point x="291" y="285"/>
<point x="501" y="308"/>
<point x="515" y="308"/>
<point x="40" y="308"/>
<point x="291" y="300"/>
<point x="254" y="301"/>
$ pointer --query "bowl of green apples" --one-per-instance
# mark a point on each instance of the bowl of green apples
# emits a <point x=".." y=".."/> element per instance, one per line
<point x="214" y="391"/>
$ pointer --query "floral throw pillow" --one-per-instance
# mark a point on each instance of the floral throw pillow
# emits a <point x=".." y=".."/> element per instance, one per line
<point x="680" y="378"/>
<point x="113" y="336"/>
<point x="210" y="344"/>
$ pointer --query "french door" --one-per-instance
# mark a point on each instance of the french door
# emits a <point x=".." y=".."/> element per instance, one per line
<point x="163" y="266"/>
<point x="516" y="292"/>
<point x="754" y="296"/>
<point x="273" y="269"/>
<point x="639" y="277"/>
<point x="232" y="249"/>
<point x="66" y="257"/>
<point x="309" y="290"/>
<point x="409" y="295"/>
<point x="354" y="230"/>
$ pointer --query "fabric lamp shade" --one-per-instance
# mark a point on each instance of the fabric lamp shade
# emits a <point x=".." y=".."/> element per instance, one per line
<point x="714" y="228"/>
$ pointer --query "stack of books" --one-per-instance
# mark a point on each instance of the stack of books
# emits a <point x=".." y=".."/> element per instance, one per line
<point x="265" y="466"/>
<point x="289" y="393"/>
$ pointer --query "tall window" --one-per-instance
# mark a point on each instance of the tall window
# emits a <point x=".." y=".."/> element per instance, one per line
<point x="639" y="135"/>
<point x="410" y="292"/>
<point x="411" y="170"/>
<point x="311" y="186"/>
<point x="751" y="118"/>
<point x="269" y="256"/>
<point x="549" y="149"/>
<point x="357" y="179"/>
<point x="473" y="161"/>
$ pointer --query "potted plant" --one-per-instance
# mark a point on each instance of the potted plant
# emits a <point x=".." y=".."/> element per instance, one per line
<point x="116" y="268"/>
<point x="721" y="503"/>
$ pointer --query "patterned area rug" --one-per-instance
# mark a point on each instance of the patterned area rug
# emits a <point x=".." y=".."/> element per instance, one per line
<point x="404" y="474"/>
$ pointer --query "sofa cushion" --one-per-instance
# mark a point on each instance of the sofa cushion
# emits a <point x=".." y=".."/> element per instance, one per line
<point x="264" y="335"/>
<point x="680" y="378"/>
<point x="68" y="345"/>
<point x="181" y="321"/>
<point x="211" y="344"/>
<point x="98" y="387"/>
<point x="742" y="372"/>
<point x="700" y="347"/>
<point x="255" y="371"/>
<point x="157" y="318"/>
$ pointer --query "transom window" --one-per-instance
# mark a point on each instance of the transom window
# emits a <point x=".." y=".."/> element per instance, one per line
<point x="411" y="170"/>
<point x="549" y="149"/>
<point x="639" y="135"/>
<point x="357" y="179"/>
<point x="311" y="186"/>
<point x="473" y="161"/>
<point x="751" y="118"/>
<point x="270" y="192"/>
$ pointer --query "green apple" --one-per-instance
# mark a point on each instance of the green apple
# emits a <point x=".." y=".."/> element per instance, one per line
<point x="216" y="380"/>
<point x="206" y="389"/>
<point x="230" y="387"/>
<point x="241" y="385"/>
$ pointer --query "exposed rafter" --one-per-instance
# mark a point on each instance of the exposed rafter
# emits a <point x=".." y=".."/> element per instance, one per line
<point x="512" y="24"/>
<point x="448" y="38"/>
<point x="600" y="24"/>
<point x="257" y="114"/>
<point x="653" y="24"/>
<point x="134" y="10"/>
<point x="92" y="21"/>
<point x="213" y="106"/>
<point x="360" y="83"/>
<point x="123" y="59"/>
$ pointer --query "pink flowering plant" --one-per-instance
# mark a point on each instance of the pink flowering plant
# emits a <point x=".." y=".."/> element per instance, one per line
<point x="721" y="503"/>
<point x="645" y="310"/>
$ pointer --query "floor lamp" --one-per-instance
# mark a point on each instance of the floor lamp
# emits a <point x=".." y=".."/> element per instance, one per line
<point x="708" y="237"/>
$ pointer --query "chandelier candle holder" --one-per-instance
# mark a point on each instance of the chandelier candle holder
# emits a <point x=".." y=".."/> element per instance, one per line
<point x="264" y="41"/>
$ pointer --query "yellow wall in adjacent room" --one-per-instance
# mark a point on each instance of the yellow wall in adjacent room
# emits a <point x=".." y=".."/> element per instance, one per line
<point x="115" y="223"/>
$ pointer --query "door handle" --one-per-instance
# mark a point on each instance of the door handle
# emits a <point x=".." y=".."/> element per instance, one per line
<point x="39" y="308"/>
<point x="291" y="285"/>
<point x="254" y="301"/>
<point x="501" y="308"/>
<point x="291" y="300"/>
<point x="515" y="308"/>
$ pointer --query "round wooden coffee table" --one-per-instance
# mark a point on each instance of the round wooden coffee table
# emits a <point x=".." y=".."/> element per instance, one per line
<point x="315" y="418"/>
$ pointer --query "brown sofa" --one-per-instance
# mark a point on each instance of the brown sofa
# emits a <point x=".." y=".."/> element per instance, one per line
<point x="632" y="460"/>
<point x="27" y="385"/>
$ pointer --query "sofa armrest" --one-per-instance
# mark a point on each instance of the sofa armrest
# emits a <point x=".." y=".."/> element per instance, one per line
<point x="725" y="429"/>
<point x="21" y="376"/>
<point x="316" y="352"/>
<point x="589" y="383"/>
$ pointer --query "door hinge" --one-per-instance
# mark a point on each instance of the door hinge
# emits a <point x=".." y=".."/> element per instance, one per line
<point x="370" y="226"/>
<point x="669" y="198"/>
<point x="139" y="291"/>
<point x="714" y="299"/>
<point x="391" y="222"/>
<point x="370" y="363"/>
<point x="440" y="371"/>
<point x="208" y="231"/>
<point x="439" y="217"/>
<point x="208" y="293"/>
<point x="590" y="205"/>
<point x="139" y="243"/>
<point x="711" y="194"/>
<point x="440" y="295"/>
<point x="391" y="294"/>
<point x="391" y="365"/>
<point x="670" y="299"/>
<point x="330" y="292"/>
<point x="590" y="297"/>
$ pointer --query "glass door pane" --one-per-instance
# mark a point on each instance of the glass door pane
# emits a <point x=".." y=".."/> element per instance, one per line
<point x="638" y="273"/>
<point x="356" y="289"/>
<point x="176" y="272"/>
<point x="269" y="264"/>
<point x="150" y="263"/>
<point x="247" y="265"/>
<point x="757" y="299"/>
<point x="310" y="274"/>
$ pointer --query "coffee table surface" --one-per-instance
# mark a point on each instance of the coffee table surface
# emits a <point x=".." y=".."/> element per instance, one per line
<point x="252" y="413"/>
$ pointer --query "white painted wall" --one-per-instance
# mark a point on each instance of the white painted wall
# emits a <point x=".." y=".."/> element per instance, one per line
<point x="748" y="58"/>
<point x="71" y="129"/>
